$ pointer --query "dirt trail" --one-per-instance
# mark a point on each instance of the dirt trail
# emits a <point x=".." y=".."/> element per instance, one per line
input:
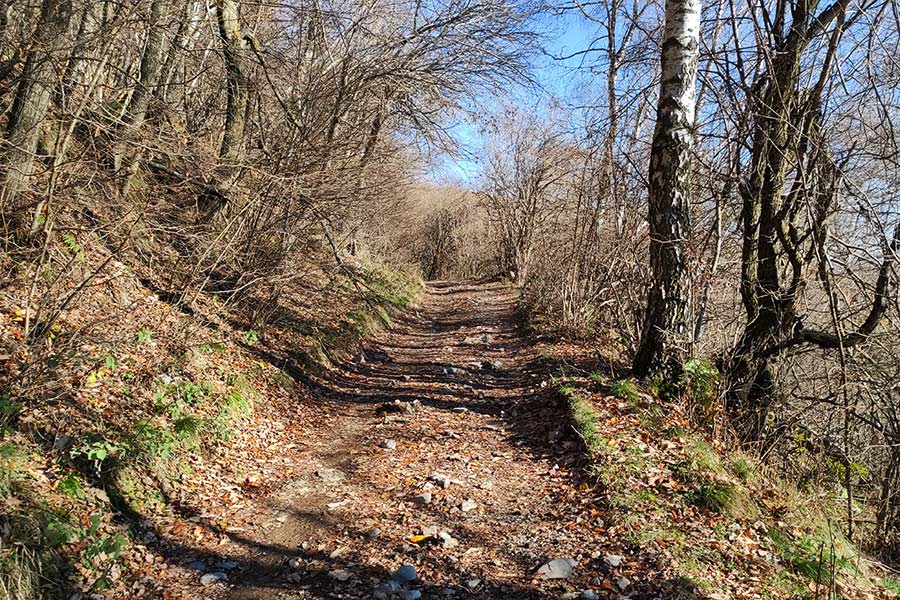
<point x="480" y="416"/>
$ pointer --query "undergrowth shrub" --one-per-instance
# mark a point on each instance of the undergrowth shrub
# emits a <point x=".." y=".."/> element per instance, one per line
<point x="699" y="381"/>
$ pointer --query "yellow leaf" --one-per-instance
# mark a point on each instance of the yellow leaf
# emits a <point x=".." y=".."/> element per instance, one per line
<point x="418" y="538"/>
<point x="613" y="443"/>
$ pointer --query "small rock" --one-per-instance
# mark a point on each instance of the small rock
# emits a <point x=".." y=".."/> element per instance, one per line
<point x="558" y="568"/>
<point x="460" y="409"/>
<point x="340" y="574"/>
<point x="197" y="565"/>
<point x="589" y="595"/>
<point x="468" y="505"/>
<point x="473" y="583"/>
<point x="430" y="531"/>
<point x="330" y="475"/>
<point x="613" y="560"/>
<point x="487" y="484"/>
<point x="422" y="498"/>
<point x="388" y="445"/>
<point x="405" y="574"/>
<point x="445" y="540"/>
<point x="448" y="592"/>
<point x="441" y="480"/>
<point x="228" y="565"/>
<point x="211" y="578"/>
<point x="570" y="596"/>
<point x="410" y="595"/>
<point x="623" y="583"/>
<point x="373" y="533"/>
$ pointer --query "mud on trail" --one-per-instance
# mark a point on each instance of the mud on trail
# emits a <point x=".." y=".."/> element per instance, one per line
<point x="453" y="389"/>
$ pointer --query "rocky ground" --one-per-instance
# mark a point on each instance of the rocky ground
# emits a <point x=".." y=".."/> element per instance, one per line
<point x="442" y="466"/>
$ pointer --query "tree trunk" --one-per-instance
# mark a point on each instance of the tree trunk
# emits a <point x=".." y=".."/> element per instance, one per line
<point x="78" y="62"/>
<point x="785" y="136"/>
<point x="151" y="64"/>
<point x="665" y="322"/>
<point x="125" y="161"/>
<point x="30" y="107"/>
<point x="234" y="50"/>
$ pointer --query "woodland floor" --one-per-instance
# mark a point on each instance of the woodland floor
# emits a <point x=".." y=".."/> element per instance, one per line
<point x="481" y="412"/>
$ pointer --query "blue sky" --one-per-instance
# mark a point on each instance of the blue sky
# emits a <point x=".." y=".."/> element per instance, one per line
<point x="556" y="78"/>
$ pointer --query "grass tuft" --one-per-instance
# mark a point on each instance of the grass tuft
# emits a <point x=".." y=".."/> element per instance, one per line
<point x="585" y="420"/>
<point x="743" y="467"/>
<point x="624" y="390"/>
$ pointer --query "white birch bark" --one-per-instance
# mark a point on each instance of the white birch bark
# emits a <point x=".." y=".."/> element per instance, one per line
<point x="665" y="326"/>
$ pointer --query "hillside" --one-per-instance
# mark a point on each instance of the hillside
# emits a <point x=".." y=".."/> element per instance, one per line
<point x="450" y="444"/>
<point x="421" y="299"/>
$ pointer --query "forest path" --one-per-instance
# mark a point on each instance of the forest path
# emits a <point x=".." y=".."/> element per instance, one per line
<point x="470" y="402"/>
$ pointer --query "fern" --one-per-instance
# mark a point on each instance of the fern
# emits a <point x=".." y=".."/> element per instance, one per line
<point x="72" y="245"/>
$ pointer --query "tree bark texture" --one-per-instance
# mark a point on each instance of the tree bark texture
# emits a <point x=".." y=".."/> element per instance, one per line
<point x="30" y="106"/>
<point x="665" y="323"/>
<point x="234" y="49"/>
<point x="231" y="152"/>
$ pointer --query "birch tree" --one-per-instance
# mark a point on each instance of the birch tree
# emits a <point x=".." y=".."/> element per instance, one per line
<point x="665" y="323"/>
